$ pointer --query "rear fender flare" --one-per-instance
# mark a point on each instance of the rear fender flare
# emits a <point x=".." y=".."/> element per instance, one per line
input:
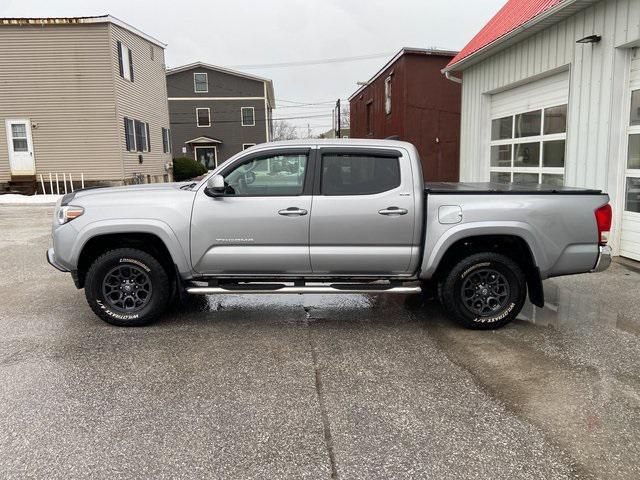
<point x="517" y="229"/>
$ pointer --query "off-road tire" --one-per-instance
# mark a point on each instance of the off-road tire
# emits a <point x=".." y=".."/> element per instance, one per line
<point x="157" y="275"/>
<point x="451" y="290"/>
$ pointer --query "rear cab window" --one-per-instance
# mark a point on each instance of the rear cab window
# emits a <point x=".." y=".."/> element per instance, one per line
<point x="354" y="173"/>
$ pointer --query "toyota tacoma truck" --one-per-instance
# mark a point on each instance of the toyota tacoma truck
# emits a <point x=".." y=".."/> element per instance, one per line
<point x="329" y="217"/>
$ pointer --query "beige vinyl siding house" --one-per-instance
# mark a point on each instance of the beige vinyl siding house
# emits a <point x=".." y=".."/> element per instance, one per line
<point x="61" y="87"/>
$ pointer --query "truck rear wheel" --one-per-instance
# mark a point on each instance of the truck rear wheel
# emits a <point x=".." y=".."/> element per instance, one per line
<point x="127" y="287"/>
<point x="484" y="291"/>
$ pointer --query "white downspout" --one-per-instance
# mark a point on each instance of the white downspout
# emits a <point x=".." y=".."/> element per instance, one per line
<point x="448" y="76"/>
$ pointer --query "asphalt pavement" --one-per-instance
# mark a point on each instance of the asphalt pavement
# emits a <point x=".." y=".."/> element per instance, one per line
<point x="313" y="386"/>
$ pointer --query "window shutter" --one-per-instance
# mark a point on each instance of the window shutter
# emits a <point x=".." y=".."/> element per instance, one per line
<point x="138" y="132"/>
<point x="127" y="139"/>
<point x="148" y="138"/>
<point x="131" y="63"/>
<point x="119" y="47"/>
<point x="165" y="147"/>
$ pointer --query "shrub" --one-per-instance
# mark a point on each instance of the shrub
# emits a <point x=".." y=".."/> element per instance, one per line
<point x="187" y="168"/>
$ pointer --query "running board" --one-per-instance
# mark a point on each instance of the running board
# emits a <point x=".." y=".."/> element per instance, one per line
<point x="303" y="289"/>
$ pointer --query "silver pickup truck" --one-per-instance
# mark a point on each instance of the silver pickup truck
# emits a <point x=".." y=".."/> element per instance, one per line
<point x="327" y="216"/>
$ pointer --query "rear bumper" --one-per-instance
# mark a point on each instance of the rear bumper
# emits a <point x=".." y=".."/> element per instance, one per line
<point x="604" y="259"/>
<point x="51" y="258"/>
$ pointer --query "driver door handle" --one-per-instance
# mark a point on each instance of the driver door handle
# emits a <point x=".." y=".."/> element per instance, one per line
<point x="393" y="211"/>
<point x="292" y="212"/>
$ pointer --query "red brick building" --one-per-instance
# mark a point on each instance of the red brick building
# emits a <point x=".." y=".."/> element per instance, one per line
<point x="411" y="98"/>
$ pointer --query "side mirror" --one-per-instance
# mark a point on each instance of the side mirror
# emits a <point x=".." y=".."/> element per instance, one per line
<point x="215" y="185"/>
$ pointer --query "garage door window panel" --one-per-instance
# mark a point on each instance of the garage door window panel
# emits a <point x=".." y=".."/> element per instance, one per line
<point x="529" y="146"/>
<point x="528" y="124"/>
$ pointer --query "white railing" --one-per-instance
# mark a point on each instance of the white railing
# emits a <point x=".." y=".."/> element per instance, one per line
<point x="55" y="177"/>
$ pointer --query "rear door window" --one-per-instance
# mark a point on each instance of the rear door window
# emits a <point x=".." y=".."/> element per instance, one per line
<point x="358" y="174"/>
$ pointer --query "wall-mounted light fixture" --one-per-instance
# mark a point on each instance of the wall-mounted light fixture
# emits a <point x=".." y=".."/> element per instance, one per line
<point x="590" y="39"/>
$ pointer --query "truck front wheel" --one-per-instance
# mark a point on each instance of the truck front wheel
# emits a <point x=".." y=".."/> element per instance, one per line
<point x="127" y="287"/>
<point x="484" y="291"/>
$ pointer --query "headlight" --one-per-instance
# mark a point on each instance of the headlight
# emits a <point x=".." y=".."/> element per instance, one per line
<point x="68" y="213"/>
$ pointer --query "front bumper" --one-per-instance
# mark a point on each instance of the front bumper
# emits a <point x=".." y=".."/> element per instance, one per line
<point x="604" y="259"/>
<point x="51" y="258"/>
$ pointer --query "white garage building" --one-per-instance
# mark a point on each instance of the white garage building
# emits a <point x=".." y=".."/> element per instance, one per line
<point x="551" y="94"/>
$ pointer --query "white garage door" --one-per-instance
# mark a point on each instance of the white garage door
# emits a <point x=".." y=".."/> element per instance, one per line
<point x="630" y="231"/>
<point x="529" y="131"/>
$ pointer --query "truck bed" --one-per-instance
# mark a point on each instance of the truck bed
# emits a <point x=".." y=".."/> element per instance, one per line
<point x="478" y="188"/>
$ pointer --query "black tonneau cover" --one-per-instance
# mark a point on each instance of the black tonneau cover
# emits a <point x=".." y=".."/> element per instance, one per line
<point x="504" y="189"/>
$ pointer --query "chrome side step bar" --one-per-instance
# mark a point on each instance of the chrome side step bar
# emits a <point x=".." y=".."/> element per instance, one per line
<point x="301" y="289"/>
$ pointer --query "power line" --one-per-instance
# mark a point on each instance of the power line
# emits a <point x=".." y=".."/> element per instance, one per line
<point x="257" y="120"/>
<point x="315" y="62"/>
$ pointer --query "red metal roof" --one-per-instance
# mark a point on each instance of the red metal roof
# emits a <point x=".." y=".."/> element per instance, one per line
<point x="514" y="14"/>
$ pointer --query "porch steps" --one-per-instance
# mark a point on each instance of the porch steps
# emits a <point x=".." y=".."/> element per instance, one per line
<point x="22" y="184"/>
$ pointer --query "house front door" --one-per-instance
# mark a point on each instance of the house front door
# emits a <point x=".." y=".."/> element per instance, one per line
<point x="20" y="145"/>
<point x="207" y="156"/>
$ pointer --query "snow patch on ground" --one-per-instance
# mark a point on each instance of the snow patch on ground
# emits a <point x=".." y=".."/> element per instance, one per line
<point x="17" y="199"/>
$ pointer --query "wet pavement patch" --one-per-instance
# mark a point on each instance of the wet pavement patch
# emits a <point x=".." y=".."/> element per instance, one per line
<point x="274" y="386"/>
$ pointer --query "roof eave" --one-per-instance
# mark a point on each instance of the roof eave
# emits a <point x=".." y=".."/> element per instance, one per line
<point x="525" y="29"/>
<point x="403" y="50"/>
<point x="270" y="91"/>
<point x="82" y="20"/>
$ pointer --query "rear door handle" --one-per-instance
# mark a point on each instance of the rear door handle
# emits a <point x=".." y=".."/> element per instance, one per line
<point x="292" y="212"/>
<point x="391" y="211"/>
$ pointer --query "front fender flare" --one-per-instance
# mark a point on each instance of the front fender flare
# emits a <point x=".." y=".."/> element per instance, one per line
<point x="136" y="225"/>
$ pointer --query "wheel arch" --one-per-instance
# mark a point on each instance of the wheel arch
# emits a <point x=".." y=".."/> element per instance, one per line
<point x="153" y="239"/>
<point x="511" y="245"/>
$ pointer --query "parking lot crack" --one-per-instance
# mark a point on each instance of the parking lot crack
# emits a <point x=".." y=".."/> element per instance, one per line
<point x="326" y="426"/>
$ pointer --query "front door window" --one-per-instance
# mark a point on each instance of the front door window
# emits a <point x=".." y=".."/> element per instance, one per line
<point x="277" y="175"/>
<point x="207" y="157"/>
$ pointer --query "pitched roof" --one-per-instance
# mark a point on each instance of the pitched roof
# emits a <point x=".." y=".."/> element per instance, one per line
<point x="514" y="17"/>
<point x="41" y="21"/>
<point x="403" y="51"/>
<point x="268" y="81"/>
<point x="203" y="139"/>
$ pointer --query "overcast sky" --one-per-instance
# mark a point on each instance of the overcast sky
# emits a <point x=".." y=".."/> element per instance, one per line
<point x="249" y="32"/>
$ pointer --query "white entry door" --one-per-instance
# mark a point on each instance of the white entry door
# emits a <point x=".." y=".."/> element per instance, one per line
<point x="20" y="145"/>
<point x="630" y="231"/>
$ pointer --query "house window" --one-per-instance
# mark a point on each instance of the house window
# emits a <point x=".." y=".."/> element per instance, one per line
<point x="203" y="117"/>
<point x="142" y="136"/>
<point x="387" y="95"/>
<point x="369" y="111"/>
<point x="200" y="82"/>
<point x="529" y="147"/>
<point x="248" y="117"/>
<point x="166" y="140"/>
<point x="125" y="61"/>
<point x="247" y="145"/>
<point x="129" y="134"/>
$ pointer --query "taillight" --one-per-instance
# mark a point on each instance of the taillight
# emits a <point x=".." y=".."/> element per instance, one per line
<point x="603" y="220"/>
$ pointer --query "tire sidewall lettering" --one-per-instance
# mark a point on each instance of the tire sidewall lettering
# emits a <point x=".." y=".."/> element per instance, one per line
<point x="474" y="267"/>
<point x="497" y="318"/>
<point x="135" y="262"/>
<point x="118" y="316"/>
